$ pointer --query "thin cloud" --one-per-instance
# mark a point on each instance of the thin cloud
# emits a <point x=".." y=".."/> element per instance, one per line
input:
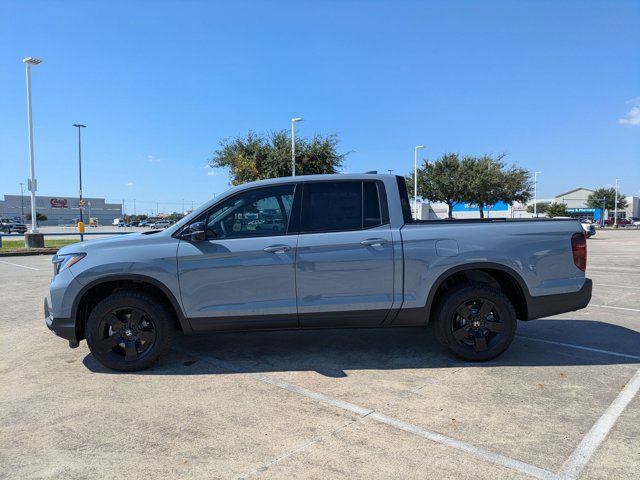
<point x="212" y="173"/>
<point x="633" y="115"/>
<point x="152" y="159"/>
<point x="129" y="184"/>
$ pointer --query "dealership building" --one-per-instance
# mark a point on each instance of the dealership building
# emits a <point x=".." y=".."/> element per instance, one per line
<point x="61" y="210"/>
<point x="575" y="200"/>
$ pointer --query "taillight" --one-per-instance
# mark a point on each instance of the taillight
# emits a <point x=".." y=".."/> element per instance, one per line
<point x="579" y="248"/>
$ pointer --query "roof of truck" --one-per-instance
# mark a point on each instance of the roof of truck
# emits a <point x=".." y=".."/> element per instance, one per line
<point x="315" y="178"/>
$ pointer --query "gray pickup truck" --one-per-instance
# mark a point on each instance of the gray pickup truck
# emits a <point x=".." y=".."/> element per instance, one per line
<point x="315" y="252"/>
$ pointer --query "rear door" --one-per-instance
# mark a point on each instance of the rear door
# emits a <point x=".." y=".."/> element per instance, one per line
<point x="345" y="257"/>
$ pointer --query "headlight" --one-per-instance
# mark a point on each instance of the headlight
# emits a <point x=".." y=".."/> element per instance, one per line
<point x="62" y="261"/>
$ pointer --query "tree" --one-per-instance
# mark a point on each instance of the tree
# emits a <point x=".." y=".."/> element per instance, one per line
<point x="556" y="209"/>
<point x="542" y="207"/>
<point x="609" y="194"/>
<point x="256" y="157"/>
<point x="442" y="181"/>
<point x="483" y="177"/>
<point x="490" y="182"/>
<point x="40" y="217"/>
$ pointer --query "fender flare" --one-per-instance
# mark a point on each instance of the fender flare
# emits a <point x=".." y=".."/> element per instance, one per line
<point x="478" y="266"/>
<point x="182" y="319"/>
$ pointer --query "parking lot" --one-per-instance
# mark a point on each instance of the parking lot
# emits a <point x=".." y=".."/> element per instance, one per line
<point x="562" y="402"/>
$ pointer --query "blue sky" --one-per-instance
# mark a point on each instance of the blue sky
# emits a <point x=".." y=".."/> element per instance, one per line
<point x="159" y="84"/>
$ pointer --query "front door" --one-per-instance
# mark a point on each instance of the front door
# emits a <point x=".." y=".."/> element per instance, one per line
<point x="242" y="276"/>
<point x="345" y="256"/>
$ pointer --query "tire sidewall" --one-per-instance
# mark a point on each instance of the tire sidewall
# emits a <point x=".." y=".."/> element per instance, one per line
<point x="444" y="319"/>
<point x="142" y="301"/>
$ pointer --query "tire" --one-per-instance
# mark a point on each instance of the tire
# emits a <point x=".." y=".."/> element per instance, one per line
<point x="129" y="330"/>
<point x="475" y="321"/>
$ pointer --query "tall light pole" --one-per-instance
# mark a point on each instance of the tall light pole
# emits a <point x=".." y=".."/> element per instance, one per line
<point x="415" y="180"/>
<point x="79" y="126"/>
<point x="32" y="185"/>
<point x="22" y="200"/>
<point x="615" y="206"/>
<point x="535" y="193"/>
<point x="293" y="144"/>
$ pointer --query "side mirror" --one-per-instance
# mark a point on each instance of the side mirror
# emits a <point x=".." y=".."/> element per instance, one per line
<point x="195" y="233"/>
<point x="199" y="236"/>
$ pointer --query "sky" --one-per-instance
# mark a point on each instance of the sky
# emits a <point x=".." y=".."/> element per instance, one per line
<point x="555" y="85"/>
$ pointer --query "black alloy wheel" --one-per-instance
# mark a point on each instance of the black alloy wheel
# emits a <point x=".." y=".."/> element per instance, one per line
<point x="130" y="330"/>
<point x="476" y="322"/>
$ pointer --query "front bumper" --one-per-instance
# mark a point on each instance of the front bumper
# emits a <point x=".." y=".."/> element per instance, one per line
<point x="62" y="327"/>
<point x="547" y="305"/>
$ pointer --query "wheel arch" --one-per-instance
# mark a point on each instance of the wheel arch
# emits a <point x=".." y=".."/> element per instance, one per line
<point x="498" y="275"/>
<point x="100" y="288"/>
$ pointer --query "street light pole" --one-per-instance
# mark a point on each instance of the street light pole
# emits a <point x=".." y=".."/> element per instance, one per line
<point x="615" y="206"/>
<point x="22" y="200"/>
<point x="293" y="144"/>
<point x="415" y="180"/>
<point x="32" y="185"/>
<point x="535" y="193"/>
<point x="79" y="126"/>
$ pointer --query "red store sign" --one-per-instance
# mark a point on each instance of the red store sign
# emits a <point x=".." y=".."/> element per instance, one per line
<point x="59" y="203"/>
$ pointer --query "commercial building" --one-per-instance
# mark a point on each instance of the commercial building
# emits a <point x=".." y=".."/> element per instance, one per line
<point x="575" y="200"/>
<point x="61" y="210"/>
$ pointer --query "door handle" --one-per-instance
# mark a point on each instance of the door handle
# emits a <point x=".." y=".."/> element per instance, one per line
<point x="373" y="242"/>
<point x="277" y="248"/>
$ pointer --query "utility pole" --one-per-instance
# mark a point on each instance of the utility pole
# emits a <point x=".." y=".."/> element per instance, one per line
<point x="293" y="144"/>
<point x="615" y="207"/>
<point x="80" y="203"/>
<point x="32" y="183"/>
<point x="535" y="193"/>
<point x="22" y="200"/>
<point x="415" y="180"/>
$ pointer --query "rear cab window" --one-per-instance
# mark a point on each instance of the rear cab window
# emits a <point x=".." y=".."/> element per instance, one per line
<point x="342" y="206"/>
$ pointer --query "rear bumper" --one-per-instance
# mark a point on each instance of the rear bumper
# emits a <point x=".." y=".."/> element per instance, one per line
<point x="547" y="305"/>
<point x="62" y="327"/>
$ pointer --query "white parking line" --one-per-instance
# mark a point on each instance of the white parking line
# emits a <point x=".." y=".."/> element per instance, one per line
<point x="286" y="455"/>
<point x="18" y="265"/>
<point x="617" y="286"/>
<point x="615" y="308"/>
<point x="592" y="440"/>
<point x="580" y="347"/>
<point x="478" y="452"/>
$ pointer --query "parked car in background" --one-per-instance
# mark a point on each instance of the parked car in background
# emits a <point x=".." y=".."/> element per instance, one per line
<point x="132" y="224"/>
<point x="8" y="225"/>
<point x="347" y="253"/>
<point x="621" y="221"/>
<point x="635" y="221"/>
<point x="118" y="222"/>
<point x="161" y="224"/>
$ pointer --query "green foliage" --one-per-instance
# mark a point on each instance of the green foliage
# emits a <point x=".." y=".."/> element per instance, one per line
<point x="256" y="157"/>
<point x="609" y="194"/>
<point x="480" y="181"/>
<point x="542" y="207"/>
<point x="556" y="209"/>
<point x="40" y="217"/>
<point x="441" y="181"/>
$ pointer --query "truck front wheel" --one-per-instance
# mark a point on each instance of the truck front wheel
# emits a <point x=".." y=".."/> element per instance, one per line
<point x="476" y="322"/>
<point x="129" y="331"/>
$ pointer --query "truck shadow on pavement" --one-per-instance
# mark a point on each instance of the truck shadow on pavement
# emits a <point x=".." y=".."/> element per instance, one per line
<point x="335" y="352"/>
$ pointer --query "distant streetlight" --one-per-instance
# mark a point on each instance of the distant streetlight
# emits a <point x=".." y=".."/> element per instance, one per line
<point x="415" y="180"/>
<point x="535" y="193"/>
<point x="79" y="126"/>
<point x="22" y="200"/>
<point x="32" y="185"/>
<point x="615" y="206"/>
<point x="293" y="144"/>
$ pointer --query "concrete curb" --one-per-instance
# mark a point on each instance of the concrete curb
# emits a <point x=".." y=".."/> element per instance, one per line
<point x="23" y="252"/>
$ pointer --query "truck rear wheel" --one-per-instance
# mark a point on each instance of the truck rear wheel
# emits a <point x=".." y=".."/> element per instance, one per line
<point x="129" y="331"/>
<point x="476" y="322"/>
